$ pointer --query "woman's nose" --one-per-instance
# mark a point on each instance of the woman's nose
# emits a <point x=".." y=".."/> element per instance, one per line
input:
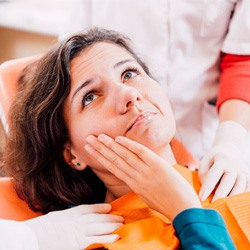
<point x="126" y="98"/>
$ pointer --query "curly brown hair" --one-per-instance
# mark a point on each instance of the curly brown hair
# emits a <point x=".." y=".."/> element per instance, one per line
<point x="33" y="155"/>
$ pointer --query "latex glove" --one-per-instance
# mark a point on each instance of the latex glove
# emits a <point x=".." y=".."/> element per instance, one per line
<point x="75" y="228"/>
<point x="146" y="173"/>
<point x="224" y="169"/>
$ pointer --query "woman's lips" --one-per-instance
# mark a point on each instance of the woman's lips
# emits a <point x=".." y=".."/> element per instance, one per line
<point x="141" y="119"/>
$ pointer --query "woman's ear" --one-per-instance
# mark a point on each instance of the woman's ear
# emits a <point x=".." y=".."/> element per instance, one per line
<point x="71" y="159"/>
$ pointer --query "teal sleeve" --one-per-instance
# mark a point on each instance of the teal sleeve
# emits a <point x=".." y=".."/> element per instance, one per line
<point x="199" y="228"/>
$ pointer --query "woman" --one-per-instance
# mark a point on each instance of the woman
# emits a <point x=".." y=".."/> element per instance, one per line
<point x="200" y="52"/>
<point x="94" y="84"/>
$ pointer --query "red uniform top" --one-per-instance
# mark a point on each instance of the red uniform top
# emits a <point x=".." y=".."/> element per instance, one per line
<point x="235" y="78"/>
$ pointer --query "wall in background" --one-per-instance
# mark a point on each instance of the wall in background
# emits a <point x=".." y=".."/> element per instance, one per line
<point x="29" y="27"/>
<point x="17" y="43"/>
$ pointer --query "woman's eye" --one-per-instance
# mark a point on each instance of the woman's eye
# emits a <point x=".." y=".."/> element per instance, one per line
<point x="129" y="74"/>
<point x="88" y="98"/>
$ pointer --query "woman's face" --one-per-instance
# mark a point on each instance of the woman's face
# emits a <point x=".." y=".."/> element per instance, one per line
<point x="111" y="94"/>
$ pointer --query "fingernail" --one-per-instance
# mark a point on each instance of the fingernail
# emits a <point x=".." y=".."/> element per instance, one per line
<point x="104" y="138"/>
<point x="118" y="139"/>
<point x="101" y="137"/>
<point x="117" y="237"/>
<point x="90" y="139"/>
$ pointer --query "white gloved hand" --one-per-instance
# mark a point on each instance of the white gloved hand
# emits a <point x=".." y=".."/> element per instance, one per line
<point x="75" y="228"/>
<point x="224" y="167"/>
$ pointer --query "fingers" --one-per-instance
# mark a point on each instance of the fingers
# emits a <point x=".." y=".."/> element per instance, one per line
<point x="210" y="181"/>
<point x="110" y="165"/>
<point x="95" y="208"/>
<point x="101" y="218"/>
<point x="228" y="182"/>
<point x="231" y="183"/>
<point x="95" y="213"/>
<point x="240" y="186"/>
<point x="99" y="231"/>
<point x="204" y="167"/>
<point x="114" y="157"/>
<point x="115" y="166"/>
<point x="144" y="153"/>
<point x="95" y="229"/>
<point x="225" y="186"/>
<point x="127" y="156"/>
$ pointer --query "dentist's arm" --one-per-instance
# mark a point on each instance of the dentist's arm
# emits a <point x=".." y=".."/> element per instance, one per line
<point x="225" y="163"/>
<point x="70" y="229"/>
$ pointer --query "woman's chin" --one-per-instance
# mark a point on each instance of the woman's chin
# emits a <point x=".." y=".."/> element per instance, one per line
<point x="154" y="141"/>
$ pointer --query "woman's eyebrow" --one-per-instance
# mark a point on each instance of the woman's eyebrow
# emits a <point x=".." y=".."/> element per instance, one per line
<point x="86" y="83"/>
<point x="123" y="62"/>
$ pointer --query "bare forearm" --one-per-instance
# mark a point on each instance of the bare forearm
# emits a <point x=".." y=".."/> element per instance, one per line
<point x="237" y="111"/>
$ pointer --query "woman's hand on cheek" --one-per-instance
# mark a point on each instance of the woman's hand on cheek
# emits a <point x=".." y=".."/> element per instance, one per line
<point x="147" y="174"/>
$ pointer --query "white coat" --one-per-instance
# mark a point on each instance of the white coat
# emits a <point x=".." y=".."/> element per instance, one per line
<point x="182" y="41"/>
<point x="15" y="235"/>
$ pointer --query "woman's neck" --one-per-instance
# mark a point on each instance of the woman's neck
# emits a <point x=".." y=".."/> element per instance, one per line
<point x="167" y="154"/>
